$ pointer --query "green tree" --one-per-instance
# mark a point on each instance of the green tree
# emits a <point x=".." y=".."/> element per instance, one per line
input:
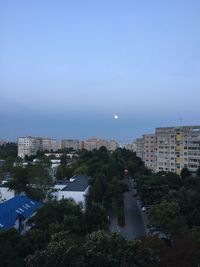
<point x="10" y="249"/>
<point x="167" y="217"/>
<point x="63" y="250"/>
<point x="20" y="180"/>
<point x="185" y="172"/>
<point x="40" y="180"/>
<point x="81" y="170"/>
<point x="198" y="172"/>
<point x="96" y="218"/>
<point x="64" y="215"/>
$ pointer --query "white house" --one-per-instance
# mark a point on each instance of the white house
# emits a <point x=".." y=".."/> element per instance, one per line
<point x="5" y="192"/>
<point x="77" y="188"/>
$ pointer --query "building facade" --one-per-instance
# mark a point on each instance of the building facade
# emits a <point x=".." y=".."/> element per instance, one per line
<point x="28" y="146"/>
<point x="178" y="147"/>
<point x="139" y="147"/>
<point x="149" y="149"/>
<point x="70" y="143"/>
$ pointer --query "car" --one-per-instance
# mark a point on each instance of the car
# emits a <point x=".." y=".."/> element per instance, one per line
<point x="143" y="208"/>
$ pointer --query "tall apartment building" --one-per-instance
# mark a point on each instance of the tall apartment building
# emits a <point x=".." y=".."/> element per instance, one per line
<point x="96" y="143"/>
<point x="178" y="147"/>
<point x="29" y="145"/>
<point x="139" y="147"/>
<point x="112" y="145"/>
<point x="70" y="143"/>
<point x="149" y="147"/>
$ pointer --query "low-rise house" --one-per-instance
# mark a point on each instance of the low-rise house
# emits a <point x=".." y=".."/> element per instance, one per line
<point x="5" y="192"/>
<point x="15" y="212"/>
<point x="77" y="188"/>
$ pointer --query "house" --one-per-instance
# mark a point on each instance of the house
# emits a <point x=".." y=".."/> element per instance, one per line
<point x="15" y="212"/>
<point x="5" y="192"/>
<point x="77" y="188"/>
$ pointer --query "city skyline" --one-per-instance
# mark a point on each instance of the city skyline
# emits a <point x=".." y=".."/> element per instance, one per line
<point x="67" y="69"/>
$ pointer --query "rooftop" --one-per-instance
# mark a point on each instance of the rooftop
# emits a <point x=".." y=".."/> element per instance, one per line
<point x="17" y="206"/>
<point x="77" y="183"/>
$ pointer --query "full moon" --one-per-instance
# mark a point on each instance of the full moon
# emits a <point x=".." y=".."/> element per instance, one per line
<point x="116" y="117"/>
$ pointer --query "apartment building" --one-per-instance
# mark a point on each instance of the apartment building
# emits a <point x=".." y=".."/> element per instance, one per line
<point x="70" y="143"/>
<point x="138" y="144"/>
<point x="128" y="146"/>
<point x="148" y="154"/>
<point x="96" y="143"/>
<point x="50" y="144"/>
<point x="112" y="145"/>
<point x="178" y="147"/>
<point x="28" y="146"/>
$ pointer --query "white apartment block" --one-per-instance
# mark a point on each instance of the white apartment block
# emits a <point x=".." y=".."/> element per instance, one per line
<point x="148" y="156"/>
<point x="178" y="147"/>
<point x="28" y="146"/>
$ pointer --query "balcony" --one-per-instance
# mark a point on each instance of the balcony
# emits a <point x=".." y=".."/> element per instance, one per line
<point x="179" y="148"/>
<point x="179" y="138"/>
<point x="179" y="160"/>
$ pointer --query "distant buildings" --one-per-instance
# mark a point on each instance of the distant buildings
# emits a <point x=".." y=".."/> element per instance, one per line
<point x="96" y="143"/>
<point x="3" y="143"/>
<point x="28" y="146"/>
<point x="128" y="146"/>
<point x="170" y="149"/>
<point x="70" y="143"/>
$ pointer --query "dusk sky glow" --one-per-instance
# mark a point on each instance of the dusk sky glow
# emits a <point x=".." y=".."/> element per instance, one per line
<point x="68" y="67"/>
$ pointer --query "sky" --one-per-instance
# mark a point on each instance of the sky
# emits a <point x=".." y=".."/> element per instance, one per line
<point x="68" y="66"/>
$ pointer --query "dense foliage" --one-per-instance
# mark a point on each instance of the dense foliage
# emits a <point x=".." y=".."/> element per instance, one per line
<point x="63" y="234"/>
<point x="60" y="237"/>
<point x="174" y="200"/>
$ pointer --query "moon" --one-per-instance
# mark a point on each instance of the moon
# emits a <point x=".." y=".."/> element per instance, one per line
<point x="116" y="117"/>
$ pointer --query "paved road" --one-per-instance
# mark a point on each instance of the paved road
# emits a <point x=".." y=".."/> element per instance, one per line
<point x="134" y="222"/>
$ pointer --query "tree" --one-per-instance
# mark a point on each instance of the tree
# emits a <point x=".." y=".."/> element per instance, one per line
<point x="96" y="218"/>
<point x="167" y="217"/>
<point x="63" y="215"/>
<point x="10" y="249"/>
<point x="40" y="180"/>
<point x="198" y="172"/>
<point x="103" y="250"/>
<point x="97" y="191"/>
<point x="185" y="172"/>
<point x="20" y="180"/>
<point x="81" y="170"/>
<point x="63" y="250"/>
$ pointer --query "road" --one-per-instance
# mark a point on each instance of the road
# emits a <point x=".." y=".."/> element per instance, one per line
<point x="134" y="226"/>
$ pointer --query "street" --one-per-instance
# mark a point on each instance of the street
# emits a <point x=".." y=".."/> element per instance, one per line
<point x="134" y="226"/>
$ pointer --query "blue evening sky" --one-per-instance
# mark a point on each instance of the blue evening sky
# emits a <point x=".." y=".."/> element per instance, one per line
<point x="68" y="66"/>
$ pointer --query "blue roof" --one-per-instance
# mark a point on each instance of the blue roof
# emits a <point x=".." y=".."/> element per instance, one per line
<point x="15" y="207"/>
